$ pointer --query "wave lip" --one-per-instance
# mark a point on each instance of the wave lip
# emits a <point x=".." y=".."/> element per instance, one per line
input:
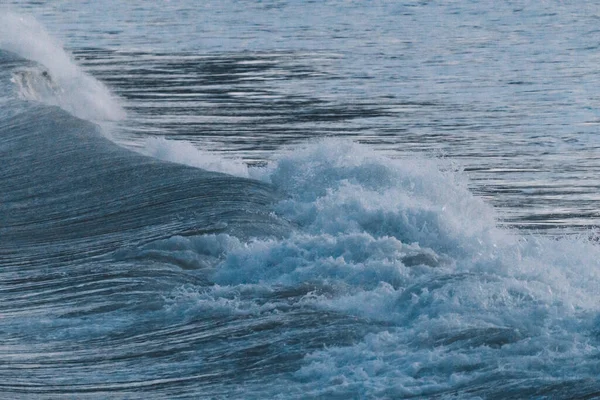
<point x="186" y="153"/>
<point x="58" y="80"/>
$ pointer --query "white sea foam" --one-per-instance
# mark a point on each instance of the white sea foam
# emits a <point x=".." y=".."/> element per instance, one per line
<point x="216" y="300"/>
<point x="404" y="244"/>
<point x="183" y="152"/>
<point x="62" y="82"/>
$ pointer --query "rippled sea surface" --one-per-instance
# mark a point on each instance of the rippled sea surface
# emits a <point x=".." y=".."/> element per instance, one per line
<point x="296" y="199"/>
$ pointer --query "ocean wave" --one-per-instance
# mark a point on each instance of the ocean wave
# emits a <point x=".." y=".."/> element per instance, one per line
<point x="333" y="271"/>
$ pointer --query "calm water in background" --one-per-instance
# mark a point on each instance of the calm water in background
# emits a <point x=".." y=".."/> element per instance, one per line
<point x="408" y="208"/>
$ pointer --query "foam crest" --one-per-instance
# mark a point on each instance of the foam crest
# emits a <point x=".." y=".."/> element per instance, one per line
<point x="182" y="152"/>
<point x="62" y="82"/>
<point x="404" y="244"/>
<point x="338" y="186"/>
<point x="363" y="221"/>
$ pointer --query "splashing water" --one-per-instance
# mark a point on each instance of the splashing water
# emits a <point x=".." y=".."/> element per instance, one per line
<point x="60" y="82"/>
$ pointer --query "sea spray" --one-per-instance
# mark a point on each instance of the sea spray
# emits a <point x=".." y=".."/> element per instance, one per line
<point x="57" y="80"/>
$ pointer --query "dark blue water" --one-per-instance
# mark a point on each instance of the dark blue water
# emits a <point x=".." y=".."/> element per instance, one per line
<point x="299" y="200"/>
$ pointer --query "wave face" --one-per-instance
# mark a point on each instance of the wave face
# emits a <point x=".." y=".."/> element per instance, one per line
<point x="331" y="271"/>
<point x="74" y="207"/>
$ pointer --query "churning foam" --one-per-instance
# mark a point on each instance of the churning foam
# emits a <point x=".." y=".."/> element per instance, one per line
<point x="405" y="245"/>
<point x="63" y="84"/>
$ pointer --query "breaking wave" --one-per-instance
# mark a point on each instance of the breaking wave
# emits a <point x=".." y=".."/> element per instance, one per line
<point x="332" y="271"/>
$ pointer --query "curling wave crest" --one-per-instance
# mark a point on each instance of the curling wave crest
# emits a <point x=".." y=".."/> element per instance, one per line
<point x="56" y="79"/>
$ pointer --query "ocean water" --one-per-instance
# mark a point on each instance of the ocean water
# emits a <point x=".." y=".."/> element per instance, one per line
<point x="277" y="199"/>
